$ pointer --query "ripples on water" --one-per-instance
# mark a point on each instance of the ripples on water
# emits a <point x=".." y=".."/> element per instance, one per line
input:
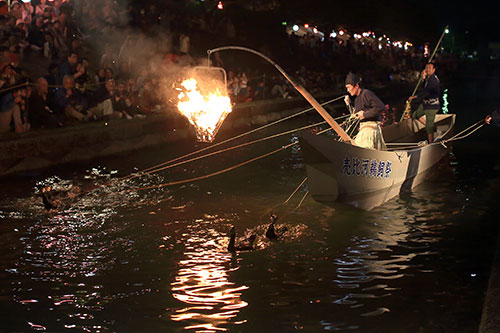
<point x="157" y="260"/>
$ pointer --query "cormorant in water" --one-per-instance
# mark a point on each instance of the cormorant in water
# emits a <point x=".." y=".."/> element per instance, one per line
<point x="48" y="202"/>
<point x="245" y="245"/>
<point x="271" y="230"/>
<point x="54" y="199"/>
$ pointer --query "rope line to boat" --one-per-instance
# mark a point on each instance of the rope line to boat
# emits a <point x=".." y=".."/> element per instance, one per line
<point x="234" y="166"/>
<point x="295" y="191"/>
<point x="461" y="135"/>
<point x="153" y="168"/>
<point x="189" y="180"/>
<point x="211" y="154"/>
<point x="233" y="147"/>
<point x="302" y="200"/>
<point x="270" y="210"/>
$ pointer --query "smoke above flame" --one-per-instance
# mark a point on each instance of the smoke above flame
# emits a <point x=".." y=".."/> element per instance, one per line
<point x="205" y="108"/>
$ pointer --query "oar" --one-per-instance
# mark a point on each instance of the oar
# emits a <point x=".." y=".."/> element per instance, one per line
<point x="408" y="106"/>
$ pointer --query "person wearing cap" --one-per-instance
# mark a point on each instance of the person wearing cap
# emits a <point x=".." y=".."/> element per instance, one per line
<point x="368" y="108"/>
<point x="428" y="100"/>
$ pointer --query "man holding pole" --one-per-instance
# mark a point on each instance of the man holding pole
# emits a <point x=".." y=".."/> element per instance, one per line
<point x="428" y="100"/>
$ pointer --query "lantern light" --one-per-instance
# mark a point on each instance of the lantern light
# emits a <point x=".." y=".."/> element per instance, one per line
<point x="295" y="28"/>
<point x="220" y="5"/>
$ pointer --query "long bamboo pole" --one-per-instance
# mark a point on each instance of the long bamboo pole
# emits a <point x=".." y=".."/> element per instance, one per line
<point x="314" y="103"/>
<point x="408" y="106"/>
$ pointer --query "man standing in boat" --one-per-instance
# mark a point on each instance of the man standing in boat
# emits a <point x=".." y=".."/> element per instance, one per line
<point x="428" y="100"/>
<point x="368" y="108"/>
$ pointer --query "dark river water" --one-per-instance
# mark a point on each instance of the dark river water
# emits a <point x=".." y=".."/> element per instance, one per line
<point x="156" y="260"/>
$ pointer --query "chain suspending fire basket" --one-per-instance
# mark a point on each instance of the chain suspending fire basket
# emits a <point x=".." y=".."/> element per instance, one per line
<point x="204" y="101"/>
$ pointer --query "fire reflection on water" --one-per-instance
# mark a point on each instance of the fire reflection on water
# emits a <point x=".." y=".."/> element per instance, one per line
<point x="202" y="284"/>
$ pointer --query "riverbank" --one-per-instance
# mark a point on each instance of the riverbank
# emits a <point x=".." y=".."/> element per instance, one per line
<point x="43" y="148"/>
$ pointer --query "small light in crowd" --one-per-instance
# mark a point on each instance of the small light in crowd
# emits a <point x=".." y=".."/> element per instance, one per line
<point x="473" y="275"/>
<point x="295" y="28"/>
<point x="26" y="1"/>
<point x="341" y="32"/>
<point x="446" y="31"/>
<point x="315" y="30"/>
<point x="220" y="5"/>
<point x="333" y="34"/>
<point x="306" y="25"/>
<point x="284" y="23"/>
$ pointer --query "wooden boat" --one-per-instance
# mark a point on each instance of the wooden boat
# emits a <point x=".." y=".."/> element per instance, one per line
<point x="366" y="178"/>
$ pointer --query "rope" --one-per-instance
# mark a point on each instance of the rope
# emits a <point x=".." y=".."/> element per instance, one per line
<point x="401" y="143"/>
<point x="14" y="87"/>
<point x="458" y="135"/>
<point x="302" y="200"/>
<point x="152" y="169"/>
<point x="50" y="86"/>
<point x="233" y="147"/>
<point x="189" y="180"/>
<point x="159" y="168"/>
<point x="295" y="191"/>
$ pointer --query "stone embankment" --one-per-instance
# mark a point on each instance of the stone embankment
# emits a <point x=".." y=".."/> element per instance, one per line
<point x="43" y="148"/>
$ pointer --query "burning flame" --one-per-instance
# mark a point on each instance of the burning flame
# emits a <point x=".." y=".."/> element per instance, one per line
<point x="205" y="113"/>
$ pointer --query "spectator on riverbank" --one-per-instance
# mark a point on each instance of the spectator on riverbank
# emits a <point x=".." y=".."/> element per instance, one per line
<point x="36" y="37"/>
<point x="121" y="102"/>
<point x="40" y="115"/>
<point x="103" y="102"/>
<point x="10" y="112"/>
<point x="68" y="67"/>
<point x="70" y="102"/>
<point x="148" y="99"/>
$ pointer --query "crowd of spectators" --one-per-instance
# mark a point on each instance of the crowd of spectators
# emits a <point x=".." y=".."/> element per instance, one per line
<point x="79" y="83"/>
<point x="71" y="61"/>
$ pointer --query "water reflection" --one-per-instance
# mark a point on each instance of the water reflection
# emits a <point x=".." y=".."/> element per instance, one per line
<point x="391" y="246"/>
<point x="202" y="284"/>
<point x="63" y="254"/>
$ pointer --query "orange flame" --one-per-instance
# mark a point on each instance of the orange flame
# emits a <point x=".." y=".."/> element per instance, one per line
<point x="205" y="113"/>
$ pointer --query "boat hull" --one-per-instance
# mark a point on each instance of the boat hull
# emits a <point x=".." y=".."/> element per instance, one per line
<point x="366" y="178"/>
